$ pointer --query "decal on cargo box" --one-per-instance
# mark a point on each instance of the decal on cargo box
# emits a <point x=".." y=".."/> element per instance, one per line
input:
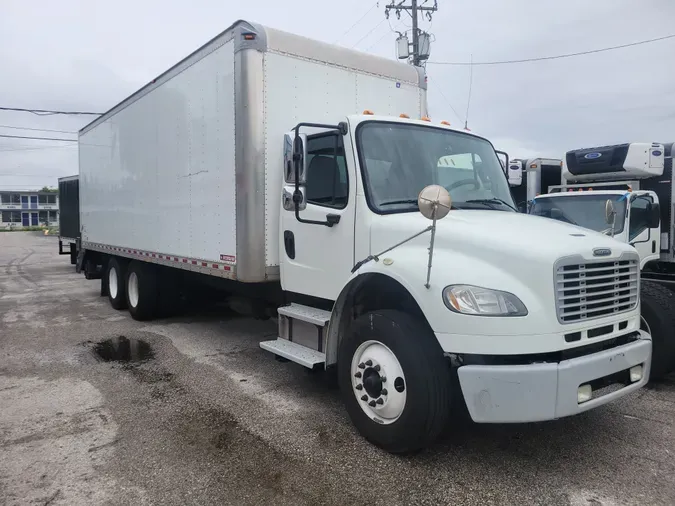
<point x="228" y="258"/>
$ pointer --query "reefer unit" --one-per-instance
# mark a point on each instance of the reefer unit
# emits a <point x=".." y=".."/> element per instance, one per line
<point x="188" y="170"/>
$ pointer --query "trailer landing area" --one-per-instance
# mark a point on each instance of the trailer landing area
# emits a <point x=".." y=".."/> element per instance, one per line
<point x="98" y="408"/>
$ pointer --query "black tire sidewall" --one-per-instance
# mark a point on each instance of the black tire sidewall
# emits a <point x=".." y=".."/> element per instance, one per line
<point x="658" y="309"/>
<point x="427" y="379"/>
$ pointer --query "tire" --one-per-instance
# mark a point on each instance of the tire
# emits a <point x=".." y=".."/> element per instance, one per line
<point x="168" y="293"/>
<point x="658" y="318"/>
<point x="73" y="254"/>
<point x="116" y="283"/>
<point x="425" y="381"/>
<point x="141" y="290"/>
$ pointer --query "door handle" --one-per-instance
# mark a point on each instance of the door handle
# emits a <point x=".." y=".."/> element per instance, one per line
<point x="289" y="244"/>
<point x="332" y="219"/>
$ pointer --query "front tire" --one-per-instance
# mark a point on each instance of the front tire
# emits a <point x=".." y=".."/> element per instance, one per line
<point x="658" y="318"/>
<point x="141" y="283"/>
<point x="116" y="281"/>
<point x="394" y="380"/>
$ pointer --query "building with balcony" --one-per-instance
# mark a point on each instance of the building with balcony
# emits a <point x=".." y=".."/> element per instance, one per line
<point x="28" y="208"/>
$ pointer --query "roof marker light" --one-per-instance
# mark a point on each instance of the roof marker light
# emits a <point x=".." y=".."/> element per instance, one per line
<point x="445" y="123"/>
<point x="368" y="112"/>
<point x="404" y="115"/>
<point x="425" y="118"/>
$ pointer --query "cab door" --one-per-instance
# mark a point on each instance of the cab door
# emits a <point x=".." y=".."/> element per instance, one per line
<point x="644" y="226"/>
<point x="315" y="258"/>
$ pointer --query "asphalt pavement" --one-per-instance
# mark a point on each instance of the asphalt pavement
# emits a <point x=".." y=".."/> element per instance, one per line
<point x="196" y="413"/>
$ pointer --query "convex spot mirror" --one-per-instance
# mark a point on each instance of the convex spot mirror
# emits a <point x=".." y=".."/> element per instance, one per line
<point x="610" y="212"/>
<point x="434" y="202"/>
<point x="295" y="146"/>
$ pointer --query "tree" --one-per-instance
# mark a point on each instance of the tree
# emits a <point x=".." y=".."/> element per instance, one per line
<point x="47" y="189"/>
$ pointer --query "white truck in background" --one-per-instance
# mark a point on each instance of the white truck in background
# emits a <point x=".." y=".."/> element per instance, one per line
<point x="388" y="246"/>
<point x="626" y="191"/>
<point x="529" y="177"/>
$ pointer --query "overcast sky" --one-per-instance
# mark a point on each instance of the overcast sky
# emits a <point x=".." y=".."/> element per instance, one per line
<point x="89" y="55"/>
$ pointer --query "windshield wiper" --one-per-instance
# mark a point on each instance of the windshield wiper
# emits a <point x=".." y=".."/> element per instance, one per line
<point x="402" y="201"/>
<point x="493" y="200"/>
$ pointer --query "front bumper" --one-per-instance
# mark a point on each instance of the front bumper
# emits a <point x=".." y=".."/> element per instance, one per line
<point x="546" y="391"/>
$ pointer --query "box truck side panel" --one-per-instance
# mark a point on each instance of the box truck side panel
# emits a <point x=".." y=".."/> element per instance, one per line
<point x="321" y="93"/>
<point x="158" y="174"/>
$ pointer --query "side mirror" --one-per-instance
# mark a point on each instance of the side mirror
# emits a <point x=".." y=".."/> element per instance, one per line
<point x="287" y="198"/>
<point x="295" y="147"/>
<point x="654" y="215"/>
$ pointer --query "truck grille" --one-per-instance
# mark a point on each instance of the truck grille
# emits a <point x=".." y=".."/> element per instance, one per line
<point x="596" y="289"/>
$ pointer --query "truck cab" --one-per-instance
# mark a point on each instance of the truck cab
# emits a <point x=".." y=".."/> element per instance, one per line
<point x="504" y="313"/>
<point x="636" y="220"/>
<point x="614" y="190"/>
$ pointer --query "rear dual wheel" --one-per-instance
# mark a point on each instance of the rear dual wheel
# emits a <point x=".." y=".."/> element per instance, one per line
<point x="116" y="283"/>
<point x="141" y="290"/>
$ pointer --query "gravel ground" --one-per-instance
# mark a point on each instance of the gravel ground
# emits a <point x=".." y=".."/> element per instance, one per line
<point x="211" y="418"/>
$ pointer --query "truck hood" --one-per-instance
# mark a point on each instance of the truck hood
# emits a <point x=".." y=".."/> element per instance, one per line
<point x="494" y="235"/>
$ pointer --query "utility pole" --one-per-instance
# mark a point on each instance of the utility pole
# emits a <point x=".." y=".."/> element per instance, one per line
<point x="420" y="39"/>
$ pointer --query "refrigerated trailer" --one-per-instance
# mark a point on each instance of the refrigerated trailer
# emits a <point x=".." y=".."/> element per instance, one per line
<point x="305" y="182"/>
<point x="634" y="182"/>
<point x="69" y="216"/>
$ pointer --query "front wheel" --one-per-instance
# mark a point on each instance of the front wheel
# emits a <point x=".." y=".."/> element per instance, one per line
<point x="394" y="380"/>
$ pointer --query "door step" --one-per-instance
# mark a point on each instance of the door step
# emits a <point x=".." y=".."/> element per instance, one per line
<point x="306" y="314"/>
<point x="295" y="352"/>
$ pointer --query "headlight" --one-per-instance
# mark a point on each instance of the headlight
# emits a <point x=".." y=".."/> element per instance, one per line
<point x="474" y="300"/>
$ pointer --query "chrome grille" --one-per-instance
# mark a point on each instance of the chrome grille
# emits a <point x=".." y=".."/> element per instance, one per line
<point x="596" y="289"/>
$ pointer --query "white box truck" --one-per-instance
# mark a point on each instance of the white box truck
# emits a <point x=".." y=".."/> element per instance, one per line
<point x="257" y="165"/>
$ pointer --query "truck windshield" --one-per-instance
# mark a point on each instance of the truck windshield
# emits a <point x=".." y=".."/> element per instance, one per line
<point x="584" y="209"/>
<point x="399" y="160"/>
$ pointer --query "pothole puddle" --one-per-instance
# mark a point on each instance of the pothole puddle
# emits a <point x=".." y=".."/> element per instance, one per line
<point x="124" y="350"/>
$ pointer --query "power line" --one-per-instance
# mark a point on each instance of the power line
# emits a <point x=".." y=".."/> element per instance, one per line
<point x="39" y="129"/>
<point x="438" y="88"/>
<point x="555" y="57"/>
<point x="367" y="34"/>
<point x="37" y="138"/>
<point x="28" y="175"/>
<point x="356" y="23"/>
<point x="40" y="148"/>
<point x="48" y="112"/>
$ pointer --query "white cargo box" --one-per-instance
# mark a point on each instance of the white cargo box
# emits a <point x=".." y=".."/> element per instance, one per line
<point x="638" y="160"/>
<point x="187" y="171"/>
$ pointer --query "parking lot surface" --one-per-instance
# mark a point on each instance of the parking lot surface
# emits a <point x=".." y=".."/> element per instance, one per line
<point x="207" y="417"/>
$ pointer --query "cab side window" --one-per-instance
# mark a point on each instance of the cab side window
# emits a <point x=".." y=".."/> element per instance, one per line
<point x="327" y="182"/>
<point x="639" y="216"/>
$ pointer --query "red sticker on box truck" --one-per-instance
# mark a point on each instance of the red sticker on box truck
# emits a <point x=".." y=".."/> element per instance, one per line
<point x="228" y="258"/>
